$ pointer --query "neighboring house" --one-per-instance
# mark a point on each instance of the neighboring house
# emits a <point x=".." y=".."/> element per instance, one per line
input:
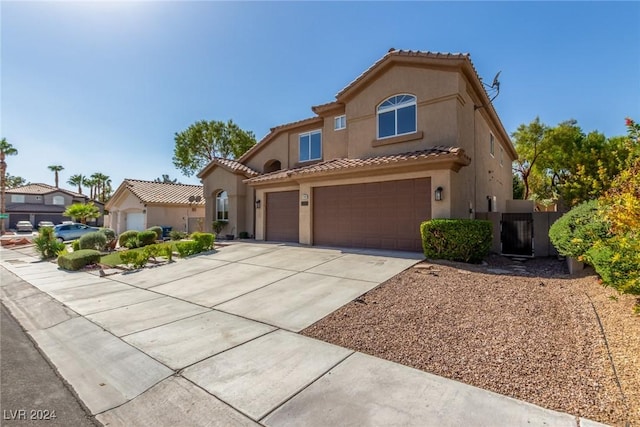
<point x="138" y="205"/>
<point x="412" y="138"/>
<point x="42" y="202"/>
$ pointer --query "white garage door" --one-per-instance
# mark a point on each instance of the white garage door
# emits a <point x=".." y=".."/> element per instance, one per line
<point x="135" y="221"/>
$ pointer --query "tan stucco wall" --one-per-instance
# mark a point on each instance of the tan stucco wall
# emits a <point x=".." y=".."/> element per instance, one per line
<point x="240" y="200"/>
<point x="173" y="216"/>
<point x="126" y="202"/>
<point x="277" y="149"/>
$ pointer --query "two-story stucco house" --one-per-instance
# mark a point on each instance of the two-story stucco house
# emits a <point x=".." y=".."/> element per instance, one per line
<point x="43" y="202"/>
<point x="414" y="137"/>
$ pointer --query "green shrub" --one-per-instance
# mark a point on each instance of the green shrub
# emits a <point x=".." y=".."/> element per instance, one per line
<point x="127" y="235"/>
<point x="158" y="230"/>
<point x="131" y="242"/>
<point x="575" y="232"/>
<point x="188" y="248"/>
<point x="75" y="245"/>
<point x="218" y="226"/>
<point x="178" y="235"/>
<point x="111" y="237"/>
<point x="77" y="260"/>
<point x="137" y="259"/>
<point x="94" y="240"/>
<point x="47" y="245"/>
<point x="205" y="240"/>
<point x="617" y="261"/>
<point x="146" y="238"/>
<point x="465" y="240"/>
<point x="243" y="235"/>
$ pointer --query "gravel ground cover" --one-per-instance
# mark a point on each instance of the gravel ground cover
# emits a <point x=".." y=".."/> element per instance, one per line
<point x="522" y="329"/>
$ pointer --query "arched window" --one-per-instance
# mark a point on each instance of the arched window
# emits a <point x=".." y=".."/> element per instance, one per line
<point x="397" y="116"/>
<point x="222" y="206"/>
<point x="272" y="166"/>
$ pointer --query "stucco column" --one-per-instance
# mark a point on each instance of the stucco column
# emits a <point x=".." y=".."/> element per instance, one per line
<point x="305" y="230"/>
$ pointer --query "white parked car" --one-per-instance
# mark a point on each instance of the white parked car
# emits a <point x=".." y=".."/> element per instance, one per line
<point x="24" y="226"/>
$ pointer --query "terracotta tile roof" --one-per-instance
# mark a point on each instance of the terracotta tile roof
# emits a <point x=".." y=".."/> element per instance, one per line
<point x="37" y="189"/>
<point x="333" y="165"/>
<point x="160" y="192"/>
<point x="230" y="165"/>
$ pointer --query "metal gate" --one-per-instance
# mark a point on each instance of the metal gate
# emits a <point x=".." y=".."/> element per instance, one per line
<point x="516" y="234"/>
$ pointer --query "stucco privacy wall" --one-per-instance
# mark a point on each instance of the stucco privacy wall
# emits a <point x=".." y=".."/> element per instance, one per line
<point x="240" y="200"/>
<point x="173" y="216"/>
<point x="439" y="177"/>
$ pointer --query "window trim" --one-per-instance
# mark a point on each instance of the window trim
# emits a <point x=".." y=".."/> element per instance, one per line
<point x="343" y="119"/>
<point x="225" y="208"/>
<point x="395" y="109"/>
<point x="492" y="144"/>
<point x="309" y="133"/>
<point x="18" y="198"/>
<point x="58" y="197"/>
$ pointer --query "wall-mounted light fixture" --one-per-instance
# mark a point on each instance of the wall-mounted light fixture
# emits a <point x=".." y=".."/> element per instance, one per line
<point x="258" y="204"/>
<point x="438" y="194"/>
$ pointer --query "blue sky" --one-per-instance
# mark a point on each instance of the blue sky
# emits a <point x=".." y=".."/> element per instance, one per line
<point x="103" y="86"/>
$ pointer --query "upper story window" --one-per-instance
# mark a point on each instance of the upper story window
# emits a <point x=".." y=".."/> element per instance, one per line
<point x="310" y="146"/>
<point x="58" y="200"/>
<point x="340" y="122"/>
<point x="222" y="206"/>
<point x="17" y="198"/>
<point x="397" y="116"/>
<point x="492" y="143"/>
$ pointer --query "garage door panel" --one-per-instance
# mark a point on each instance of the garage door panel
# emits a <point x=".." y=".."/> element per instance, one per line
<point x="385" y="215"/>
<point x="283" y="216"/>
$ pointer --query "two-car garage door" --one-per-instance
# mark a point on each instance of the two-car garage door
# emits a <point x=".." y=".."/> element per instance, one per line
<point x="384" y="215"/>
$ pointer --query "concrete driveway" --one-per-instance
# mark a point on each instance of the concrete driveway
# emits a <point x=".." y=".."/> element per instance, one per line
<point x="212" y="340"/>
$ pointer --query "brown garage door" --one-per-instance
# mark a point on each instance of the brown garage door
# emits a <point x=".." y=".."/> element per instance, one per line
<point x="385" y="215"/>
<point x="282" y="216"/>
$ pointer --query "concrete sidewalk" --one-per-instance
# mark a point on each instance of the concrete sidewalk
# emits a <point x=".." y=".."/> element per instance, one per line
<point x="212" y="340"/>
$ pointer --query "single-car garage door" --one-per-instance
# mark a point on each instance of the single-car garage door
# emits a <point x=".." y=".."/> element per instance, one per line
<point x="135" y="221"/>
<point x="282" y="216"/>
<point x="384" y="215"/>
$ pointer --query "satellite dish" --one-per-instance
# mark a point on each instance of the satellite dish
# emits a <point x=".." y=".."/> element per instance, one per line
<point x="494" y="88"/>
<point x="496" y="82"/>
<point x="192" y="199"/>
<point x="198" y="198"/>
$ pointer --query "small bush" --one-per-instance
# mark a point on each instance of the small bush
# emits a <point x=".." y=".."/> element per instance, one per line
<point x="617" y="262"/>
<point x="146" y="238"/>
<point x="77" y="260"/>
<point x="131" y="242"/>
<point x="111" y="237"/>
<point x="464" y="240"/>
<point x="205" y="240"/>
<point x="47" y="245"/>
<point x="575" y="232"/>
<point x="218" y="226"/>
<point x="178" y="235"/>
<point x="243" y="235"/>
<point x="126" y="236"/>
<point x="75" y="245"/>
<point x="188" y="248"/>
<point x="94" y="240"/>
<point x="158" y="230"/>
<point x="137" y="259"/>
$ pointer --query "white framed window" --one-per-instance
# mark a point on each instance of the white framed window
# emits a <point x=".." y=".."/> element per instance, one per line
<point x="340" y="122"/>
<point x="222" y="206"/>
<point x="310" y="146"/>
<point x="17" y="198"/>
<point x="501" y="156"/>
<point x="492" y="143"/>
<point x="58" y="200"/>
<point x="397" y="115"/>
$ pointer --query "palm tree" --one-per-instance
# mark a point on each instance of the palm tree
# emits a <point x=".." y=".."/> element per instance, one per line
<point x="78" y="180"/>
<point x="6" y="149"/>
<point x="55" y="169"/>
<point x="91" y="184"/>
<point x="102" y="184"/>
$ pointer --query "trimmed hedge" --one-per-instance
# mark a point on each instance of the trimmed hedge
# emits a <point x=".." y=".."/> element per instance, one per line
<point x="190" y="247"/>
<point x="146" y="238"/>
<point x="178" y="235"/>
<point x="466" y="240"/>
<point x="94" y="240"/>
<point x="575" y="232"/>
<point x="137" y="259"/>
<point x="158" y="230"/>
<point x="126" y="236"/>
<point x="77" y="260"/>
<point x="205" y="240"/>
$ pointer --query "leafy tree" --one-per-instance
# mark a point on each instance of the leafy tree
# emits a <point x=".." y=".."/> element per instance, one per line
<point x="56" y="169"/>
<point x="204" y="141"/>
<point x="78" y="180"/>
<point x="15" y="181"/>
<point x="518" y="187"/>
<point x="166" y="180"/>
<point x="6" y="149"/>
<point x="530" y="143"/>
<point x="82" y="211"/>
